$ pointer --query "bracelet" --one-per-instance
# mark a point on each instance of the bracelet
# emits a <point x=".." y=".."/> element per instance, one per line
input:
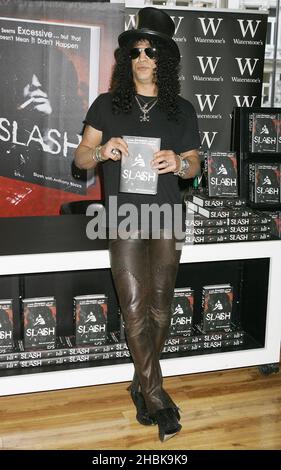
<point x="96" y="155"/>
<point x="184" y="166"/>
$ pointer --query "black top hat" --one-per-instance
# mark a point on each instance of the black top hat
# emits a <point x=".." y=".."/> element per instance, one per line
<point x="152" y="23"/>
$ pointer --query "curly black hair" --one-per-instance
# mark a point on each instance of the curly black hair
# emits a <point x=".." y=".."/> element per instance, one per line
<point x="167" y="80"/>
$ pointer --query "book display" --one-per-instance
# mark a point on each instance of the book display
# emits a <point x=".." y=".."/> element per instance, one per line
<point x="256" y="139"/>
<point x="249" y="335"/>
<point x="92" y="340"/>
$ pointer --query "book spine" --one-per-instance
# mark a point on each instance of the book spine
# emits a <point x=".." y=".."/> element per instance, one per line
<point x="62" y="352"/>
<point x="233" y="237"/>
<point x="251" y="132"/>
<point x="216" y="202"/>
<point x="251" y="182"/>
<point x="64" y="360"/>
<point x="226" y="230"/>
<point x="203" y="345"/>
<point x="204" y="222"/>
<point x="279" y="136"/>
<point x="202" y="337"/>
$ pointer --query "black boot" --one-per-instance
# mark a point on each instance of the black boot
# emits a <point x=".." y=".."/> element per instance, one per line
<point x="168" y="424"/>
<point x="142" y="415"/>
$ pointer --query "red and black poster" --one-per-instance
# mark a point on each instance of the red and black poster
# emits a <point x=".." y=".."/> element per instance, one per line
<point x="51" y="71"/>
<point x="47" y="81"/>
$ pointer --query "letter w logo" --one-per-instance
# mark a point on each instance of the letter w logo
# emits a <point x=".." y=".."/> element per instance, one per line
<point x="247" y="64"/>
<point x="211" y="24"/>
<point x="249" y="27"/>
<point x="208" y="63"/>
<point x="177" y="22"/>
<point x="244" y="101"/>
<point x="206" y="138"/>
<point x="207" y="100"/>
<point x="131" y="23"/>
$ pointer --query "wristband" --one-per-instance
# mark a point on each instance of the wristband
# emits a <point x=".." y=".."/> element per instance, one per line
<point x="184" y="166"/>
<point x="96" y="155"/>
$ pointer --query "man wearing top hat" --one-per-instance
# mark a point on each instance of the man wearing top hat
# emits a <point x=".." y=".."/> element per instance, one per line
<point x="144" y="101"/>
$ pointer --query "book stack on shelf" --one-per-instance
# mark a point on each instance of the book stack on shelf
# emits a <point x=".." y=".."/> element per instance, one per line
<point x="217" y="220"/>
<point x="215" y="330"/>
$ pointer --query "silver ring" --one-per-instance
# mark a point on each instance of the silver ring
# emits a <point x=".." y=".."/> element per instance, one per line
<point x="166" y="164"/>
<point x="115" y="152"/>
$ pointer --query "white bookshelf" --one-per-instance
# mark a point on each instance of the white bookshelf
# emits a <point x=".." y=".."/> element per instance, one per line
<point x="52" y="262"/>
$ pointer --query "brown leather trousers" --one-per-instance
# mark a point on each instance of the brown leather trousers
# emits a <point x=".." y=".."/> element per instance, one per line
<point x="144" y="274"/>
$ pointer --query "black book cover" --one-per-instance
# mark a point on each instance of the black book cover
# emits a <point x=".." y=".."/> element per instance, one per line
<point x="216" y="307"/>
<point x="6" y="324"/>
<point x="39" y="320"/>
<point x="264" y="183"/>
<point x="275" y="225"/>
<point x="182" y="311"/>
<point x="221" y="168"/>
<point x="263" y="128"/>
<point x="90" y="313"/>
<point x="136" y="173"/>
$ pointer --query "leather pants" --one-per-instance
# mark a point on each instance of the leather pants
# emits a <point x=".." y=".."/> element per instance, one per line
<point x="144" y="273"/>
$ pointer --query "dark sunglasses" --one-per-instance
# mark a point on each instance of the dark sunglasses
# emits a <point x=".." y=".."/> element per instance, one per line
<point x="150" y="52"/>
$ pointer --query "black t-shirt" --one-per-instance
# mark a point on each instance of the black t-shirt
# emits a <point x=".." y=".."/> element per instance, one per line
<point x="179" y="136"/>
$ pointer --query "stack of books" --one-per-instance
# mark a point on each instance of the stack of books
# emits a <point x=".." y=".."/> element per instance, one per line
<point x="215" y="220"/>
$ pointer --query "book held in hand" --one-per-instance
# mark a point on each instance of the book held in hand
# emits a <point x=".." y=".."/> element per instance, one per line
<point x="136" y="174"/>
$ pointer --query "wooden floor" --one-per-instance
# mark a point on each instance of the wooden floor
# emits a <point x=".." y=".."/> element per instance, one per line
<point x="236" y="409"/>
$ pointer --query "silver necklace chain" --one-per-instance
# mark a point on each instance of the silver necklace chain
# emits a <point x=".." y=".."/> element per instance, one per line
<point x="146" y="103"/>
<point x="145" y="109"/>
